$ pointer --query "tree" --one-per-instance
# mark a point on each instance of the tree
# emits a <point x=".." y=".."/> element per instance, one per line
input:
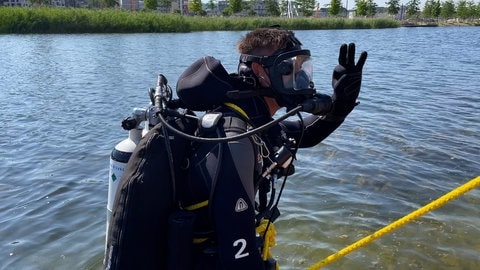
<point x="305" y="7"/>
<point x="150" y="4"/>
<point x="393" y="6"/>
<point x="412" y="8"/>
<point x="465" y="10"/>
<point x="366" y="8"/>
<point x="437" y="8"/>
<point x="211" y="4"/>
<point x="462" y="10"/>
<point x="472" y="9"/>
<point x="110" y="3"/>
<point x="249" y="6"/>
<point x="195" y="6"/>
<point x="335" y="6"/>
<point x="371" y="8"/>
<point x="272" y="8"/>
<point x="235" y="6"/>
<point x="448" y="10"/>
<point x="283" y="5"/>
<point x="432" y="9"/>
<point x="361" y="7"/>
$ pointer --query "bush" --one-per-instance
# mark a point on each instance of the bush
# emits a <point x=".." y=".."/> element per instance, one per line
<point x="75" y="20"/>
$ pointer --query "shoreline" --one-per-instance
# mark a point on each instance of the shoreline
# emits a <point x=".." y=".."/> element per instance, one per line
<point x="45" y="20"/>
<point x="446" y="23"/>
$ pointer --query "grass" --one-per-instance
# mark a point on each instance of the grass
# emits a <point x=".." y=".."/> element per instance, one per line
<point x="45" y="20"/>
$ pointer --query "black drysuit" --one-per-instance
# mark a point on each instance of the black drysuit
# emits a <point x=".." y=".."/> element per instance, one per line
<point x="218" y="184"/>
<point x="225" y="174"/>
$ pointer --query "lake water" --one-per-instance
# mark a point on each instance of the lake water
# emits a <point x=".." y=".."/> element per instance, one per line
<point x="414" y="137"/>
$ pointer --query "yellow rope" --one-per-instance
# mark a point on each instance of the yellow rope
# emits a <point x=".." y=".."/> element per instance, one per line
<point x="400" y="222"/>
<point x="269" y="240"/>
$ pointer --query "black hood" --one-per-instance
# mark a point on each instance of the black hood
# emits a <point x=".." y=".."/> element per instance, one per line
<point x="250" y="100"/>
<point x="206" y="85"/>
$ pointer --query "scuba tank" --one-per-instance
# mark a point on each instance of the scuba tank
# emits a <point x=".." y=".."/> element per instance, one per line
<point x="121" y="154"/>
<point x="142" y="199"/>
<point x="123" y="150"/>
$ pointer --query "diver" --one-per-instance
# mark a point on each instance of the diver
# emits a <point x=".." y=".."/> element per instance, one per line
<point x="227" y="189"/>
<point x="226" y="177"/>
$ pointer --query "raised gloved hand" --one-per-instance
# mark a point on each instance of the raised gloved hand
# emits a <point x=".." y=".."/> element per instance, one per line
<point x="346" y="80"/>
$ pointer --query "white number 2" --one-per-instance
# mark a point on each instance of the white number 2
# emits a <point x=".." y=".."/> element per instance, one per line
<point x="243" y="244"/>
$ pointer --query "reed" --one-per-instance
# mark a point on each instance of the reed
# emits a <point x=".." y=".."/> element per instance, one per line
<point x="74" y="20"/>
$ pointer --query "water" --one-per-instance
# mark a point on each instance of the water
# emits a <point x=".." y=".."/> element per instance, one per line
<point x="414" y="137"/>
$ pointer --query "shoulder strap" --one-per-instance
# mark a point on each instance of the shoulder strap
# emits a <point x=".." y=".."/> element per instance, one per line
<point x="237" y="109"/>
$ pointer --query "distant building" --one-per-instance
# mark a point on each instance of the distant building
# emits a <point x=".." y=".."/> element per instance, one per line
<point x="54" y="3"/>
<point x="57" y="3"/>
<point x="259" y="8"/>
<point x="222" y="5"/>
<point x="129" y="4"/>
<point x="16" y="3"/>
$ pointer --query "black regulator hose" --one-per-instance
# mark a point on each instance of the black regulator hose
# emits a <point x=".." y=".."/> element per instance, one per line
<point x="224" y="139"/>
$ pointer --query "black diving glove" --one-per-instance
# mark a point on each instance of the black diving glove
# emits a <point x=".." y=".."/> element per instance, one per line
<point x="346" y="80"/>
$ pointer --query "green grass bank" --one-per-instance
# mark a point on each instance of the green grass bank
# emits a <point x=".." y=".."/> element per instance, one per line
<point x="43" y="20"/>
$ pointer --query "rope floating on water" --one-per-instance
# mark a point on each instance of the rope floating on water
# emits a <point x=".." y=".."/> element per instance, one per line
<point x="457" y="192"/>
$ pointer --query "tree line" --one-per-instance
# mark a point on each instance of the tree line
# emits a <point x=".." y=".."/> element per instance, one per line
<point x="448" y="9"/>
<point x="272" y="7"/>
<point x="433" y="9"/>
<point x="461" y="9"/>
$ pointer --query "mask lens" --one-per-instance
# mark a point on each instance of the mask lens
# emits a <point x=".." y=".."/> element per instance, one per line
<point x="301" y="74"/>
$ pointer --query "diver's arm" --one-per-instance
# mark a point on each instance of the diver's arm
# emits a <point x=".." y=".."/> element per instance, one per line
<point x="316" y="129"/>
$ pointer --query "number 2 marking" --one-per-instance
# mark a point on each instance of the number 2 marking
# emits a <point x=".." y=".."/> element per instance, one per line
<point x="243" y="244"/>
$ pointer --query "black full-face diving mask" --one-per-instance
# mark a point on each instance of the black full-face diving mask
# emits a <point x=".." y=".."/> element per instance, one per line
<point x="291" y="73"/>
